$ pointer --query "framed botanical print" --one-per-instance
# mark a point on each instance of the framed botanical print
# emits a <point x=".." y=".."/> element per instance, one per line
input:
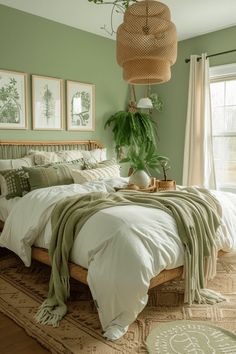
<point x="47" y="103"/>
<point x="13" y="106"/>
<point x="80" y="106"/>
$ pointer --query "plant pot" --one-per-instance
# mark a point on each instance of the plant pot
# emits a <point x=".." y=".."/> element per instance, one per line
<point x="168" y="185"/>
<point x="140" y="178"/>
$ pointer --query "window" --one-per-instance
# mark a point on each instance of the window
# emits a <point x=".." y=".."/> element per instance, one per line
<point x="223" y="100"/>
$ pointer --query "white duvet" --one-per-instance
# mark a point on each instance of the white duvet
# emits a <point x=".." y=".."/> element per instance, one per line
<point x="122" y="247"/>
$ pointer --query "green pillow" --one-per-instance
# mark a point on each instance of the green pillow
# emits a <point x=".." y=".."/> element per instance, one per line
<point x="50" y="175"/>
<point x="14" y="183"/>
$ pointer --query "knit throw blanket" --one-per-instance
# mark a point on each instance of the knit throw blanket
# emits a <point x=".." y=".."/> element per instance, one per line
<point x="197" y="217"/>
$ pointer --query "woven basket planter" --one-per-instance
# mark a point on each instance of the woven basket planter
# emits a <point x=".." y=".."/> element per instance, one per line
<point x="168" y="185"/>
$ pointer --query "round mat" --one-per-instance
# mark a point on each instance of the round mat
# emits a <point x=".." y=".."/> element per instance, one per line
<point x="184" y="337"/>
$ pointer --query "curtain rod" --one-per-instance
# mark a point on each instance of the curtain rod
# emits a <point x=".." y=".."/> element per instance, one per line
<point x="213" y="55"/>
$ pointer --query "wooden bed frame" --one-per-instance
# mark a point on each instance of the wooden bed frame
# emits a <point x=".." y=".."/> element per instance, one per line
<point x="17" y="149"/>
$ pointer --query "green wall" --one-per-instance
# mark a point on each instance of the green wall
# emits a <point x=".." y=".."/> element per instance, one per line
<point x="171" y="122"/>
<point x="35" y="45"/>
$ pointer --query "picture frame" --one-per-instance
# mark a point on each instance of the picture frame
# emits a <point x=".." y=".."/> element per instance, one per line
<point x="13" y="100"/>
<point x="47" y="103"/>
<point x="80" y="106"/>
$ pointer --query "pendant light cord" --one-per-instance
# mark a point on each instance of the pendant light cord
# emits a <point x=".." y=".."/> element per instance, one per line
<point x="146" y="27"/>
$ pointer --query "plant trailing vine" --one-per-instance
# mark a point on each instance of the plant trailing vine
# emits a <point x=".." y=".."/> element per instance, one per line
<point x="118" y="6"/>
<point x="122" y="3"/>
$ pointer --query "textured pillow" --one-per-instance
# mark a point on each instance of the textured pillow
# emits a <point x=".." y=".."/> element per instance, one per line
<point x="16" y="163"/>
<point x="78" y="164"/>
<point x="45" y="157"/>
<point x="14" y="183"/>
<point x="50" y="175"/>
<point x="95" y="174"/>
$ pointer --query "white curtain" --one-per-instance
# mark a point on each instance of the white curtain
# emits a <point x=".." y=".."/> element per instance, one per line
<point x="198" y="168"/>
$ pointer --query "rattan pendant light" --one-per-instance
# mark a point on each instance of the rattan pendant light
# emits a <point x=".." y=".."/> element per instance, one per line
<point x="146" y="43"/>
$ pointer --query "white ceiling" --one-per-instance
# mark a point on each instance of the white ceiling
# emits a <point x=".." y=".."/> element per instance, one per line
<point x="191" y="17"/>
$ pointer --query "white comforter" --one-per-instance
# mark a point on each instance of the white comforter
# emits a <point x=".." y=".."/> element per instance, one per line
<point x="122" y="247"/>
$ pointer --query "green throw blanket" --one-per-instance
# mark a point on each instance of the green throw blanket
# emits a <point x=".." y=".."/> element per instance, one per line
<point x="197" y="218"/>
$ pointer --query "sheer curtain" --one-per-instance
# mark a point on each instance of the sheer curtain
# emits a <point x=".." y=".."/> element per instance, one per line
<point x="198" y="168"/>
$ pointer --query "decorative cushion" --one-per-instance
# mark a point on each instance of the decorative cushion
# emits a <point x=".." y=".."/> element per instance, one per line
<point x="16" y="163"/>
<point x="51" y="175"/>
<point x="45" y="157"/>
<point x="95" y="174"/>
<point x="88" y="164"/>
<point x="78" y="164"/>
<point x="105" y="163"/>
<point x="14" y="183"/>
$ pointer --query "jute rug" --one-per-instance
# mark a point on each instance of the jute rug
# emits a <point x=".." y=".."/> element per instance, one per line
<point x="22" y="290"/>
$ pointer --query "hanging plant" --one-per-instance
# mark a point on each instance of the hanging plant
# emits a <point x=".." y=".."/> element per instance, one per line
<point x="132" y="129"/>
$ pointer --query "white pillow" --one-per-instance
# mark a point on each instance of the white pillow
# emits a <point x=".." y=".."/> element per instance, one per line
<point x="70" y="155"/>
<point x="45" y="157"/>
<point x="16" y="163"/>
<point x="96" y="155"/>
<point x="81" y="177"/>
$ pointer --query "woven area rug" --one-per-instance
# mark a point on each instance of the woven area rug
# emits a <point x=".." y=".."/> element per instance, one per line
<point x="22" y="290"/>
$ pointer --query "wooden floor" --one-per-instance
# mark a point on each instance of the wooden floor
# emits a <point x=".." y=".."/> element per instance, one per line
<point x="13" y="339"/>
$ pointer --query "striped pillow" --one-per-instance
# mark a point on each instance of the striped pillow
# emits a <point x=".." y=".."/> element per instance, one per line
<point x="96" y="155"/>
<point x="88" y="164"/>
<point x="81" y="177"/>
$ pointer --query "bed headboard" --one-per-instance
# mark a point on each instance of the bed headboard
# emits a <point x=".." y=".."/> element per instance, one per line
<point x="18" y="149"/>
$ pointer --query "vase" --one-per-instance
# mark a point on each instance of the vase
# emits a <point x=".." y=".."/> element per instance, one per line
<point x="140" y="178"/>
